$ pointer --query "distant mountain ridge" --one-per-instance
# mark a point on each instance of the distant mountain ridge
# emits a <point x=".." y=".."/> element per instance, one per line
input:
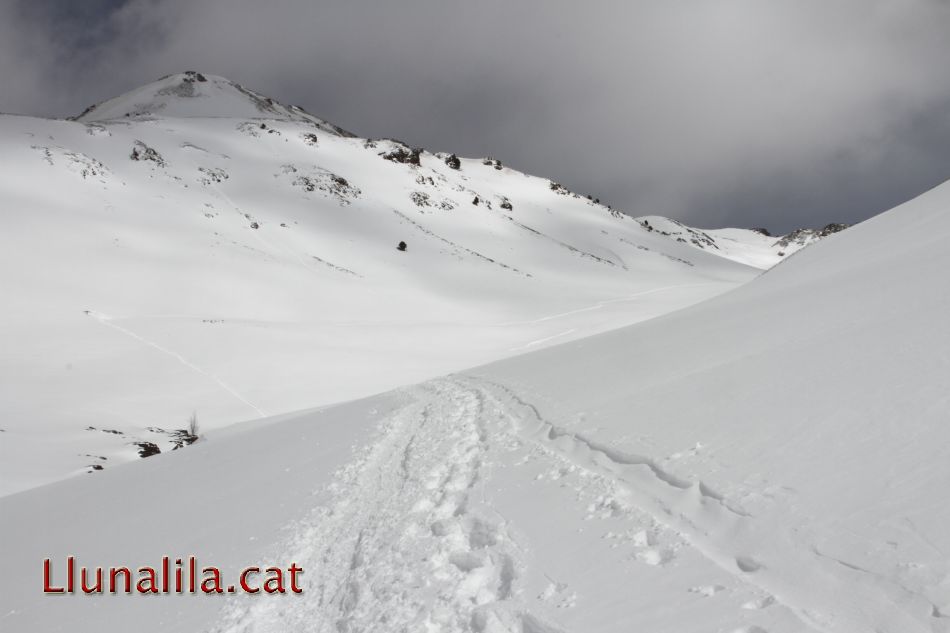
<point x="192" y="94"/>
<point x="755" y="247"/>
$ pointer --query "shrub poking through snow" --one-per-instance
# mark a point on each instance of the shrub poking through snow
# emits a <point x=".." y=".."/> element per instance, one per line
<point x="191" y="433"/>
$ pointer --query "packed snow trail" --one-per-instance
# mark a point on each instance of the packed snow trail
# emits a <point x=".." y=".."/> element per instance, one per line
<point x="408" y="536"/>
<point x="404" y="541"/>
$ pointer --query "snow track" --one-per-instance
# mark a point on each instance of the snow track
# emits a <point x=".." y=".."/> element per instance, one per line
<point x="825" y="595"/>
<point x="407" y="538"/>
<point x="108" y="321"/>
<point x="404" y="541"/>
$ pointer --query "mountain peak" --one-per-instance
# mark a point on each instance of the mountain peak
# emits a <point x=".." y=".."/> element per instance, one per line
<point x="192" y="94"/>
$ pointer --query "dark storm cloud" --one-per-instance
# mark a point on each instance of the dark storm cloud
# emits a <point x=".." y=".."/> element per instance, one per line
<point x="746" y="112"/>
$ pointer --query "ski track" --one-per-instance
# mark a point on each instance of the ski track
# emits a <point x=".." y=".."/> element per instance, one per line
<point x="542" y="340"/>
<point x="405" y="537"/>
<point x="572" y="249"/>
<point x="269" y="248"/>
<point x="457" y="247"/>
<point x="107" y="321"/>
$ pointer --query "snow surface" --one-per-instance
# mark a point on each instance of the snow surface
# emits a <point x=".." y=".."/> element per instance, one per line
<point x="217" y="252"/>
<point x="771" y="460"/>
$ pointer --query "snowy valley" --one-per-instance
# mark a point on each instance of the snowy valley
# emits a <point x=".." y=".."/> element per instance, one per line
<point x="541" y="416"/>
<point x="193" y="247"/>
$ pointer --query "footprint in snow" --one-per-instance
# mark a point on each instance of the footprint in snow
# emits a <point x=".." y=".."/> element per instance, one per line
<point x="656" y="557"/>
<point x="759" y="603"/>
<point x="747" y="564"/>
<point x="557" y="593"/>
<point x="707" y="591"/>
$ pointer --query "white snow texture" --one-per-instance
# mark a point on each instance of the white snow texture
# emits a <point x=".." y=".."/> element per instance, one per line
<point x="654" y="436"/>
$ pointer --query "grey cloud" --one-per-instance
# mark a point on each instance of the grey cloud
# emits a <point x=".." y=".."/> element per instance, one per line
<point x="741" y="112"/>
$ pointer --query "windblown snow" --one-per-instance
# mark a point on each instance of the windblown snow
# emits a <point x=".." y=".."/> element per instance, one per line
<point x="768" y="460"/>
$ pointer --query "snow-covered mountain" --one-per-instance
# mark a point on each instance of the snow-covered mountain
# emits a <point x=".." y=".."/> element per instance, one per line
<point x="770" y="460"/>
<point x="754" y="247"/>
<point x="193" y="246"/>
<point x="195" y="95"/>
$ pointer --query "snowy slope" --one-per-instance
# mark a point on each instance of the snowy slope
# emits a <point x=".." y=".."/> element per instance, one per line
<point x="771" y="460"/>
<point x="754" y="247"/>
<point x="195" y="246"/>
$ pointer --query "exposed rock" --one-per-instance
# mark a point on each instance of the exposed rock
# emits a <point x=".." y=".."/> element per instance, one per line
<point x="212" y="175"/>
<point x="317" y="179"/>
<point x="684" y="234"/>
<point x="420" y="198"/>
<point x="404" y="154"/>
<point x="832" y="228"/>
<point x="142" y="152"/>
<point x="147" y="449"/>
<point x="803" y="237"/>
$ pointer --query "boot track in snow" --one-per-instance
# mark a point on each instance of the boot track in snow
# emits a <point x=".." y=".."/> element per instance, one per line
<point x="406" y="538"/>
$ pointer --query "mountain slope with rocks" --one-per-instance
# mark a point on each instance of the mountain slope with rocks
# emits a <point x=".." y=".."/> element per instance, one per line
<point x="772" y="460"/>
<point x="753" y="247"/>
<point x="195" y="248"/>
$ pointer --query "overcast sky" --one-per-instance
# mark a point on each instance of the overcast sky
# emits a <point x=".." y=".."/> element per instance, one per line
<point x="775" y="113"/>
